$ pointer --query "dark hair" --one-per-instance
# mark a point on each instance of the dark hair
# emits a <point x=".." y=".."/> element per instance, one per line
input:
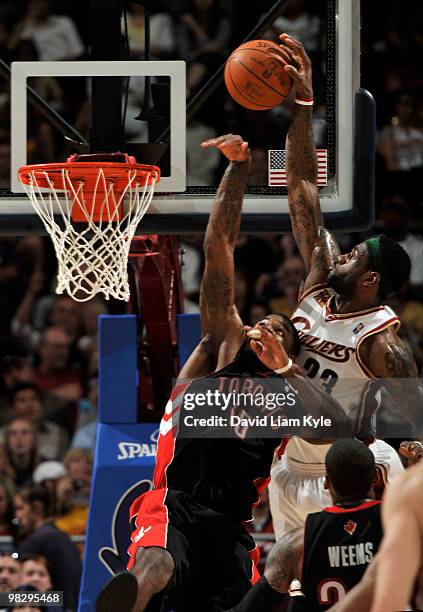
<point x="36" y="558"/>
<point x="396" y="262"/>
<point x="25" y="386"/>
<point x="297" y="342"/>
<point x="10" y="513"/>
<point x="36" y="493"/>
<point x="13" y="555"/>
<point x="350" y="466"/>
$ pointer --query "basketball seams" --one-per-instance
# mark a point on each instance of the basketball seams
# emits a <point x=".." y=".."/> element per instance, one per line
<point x="241" y="94"/>
<point x="271" y="49"/>
<point x="279" y="93"/>
<point x="253" y="76"/>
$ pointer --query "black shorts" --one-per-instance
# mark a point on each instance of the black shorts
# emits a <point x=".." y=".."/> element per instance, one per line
<point x="215" y="557"/>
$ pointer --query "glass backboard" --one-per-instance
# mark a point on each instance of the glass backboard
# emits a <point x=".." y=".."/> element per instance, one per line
<point x="176" y="98"/>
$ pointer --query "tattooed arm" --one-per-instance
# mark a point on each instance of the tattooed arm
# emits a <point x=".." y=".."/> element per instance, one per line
<point x="284" y="561"/>
<point x="386" y="357"/>
<point x="317" y="246"/>
<point x="219" y="316"/>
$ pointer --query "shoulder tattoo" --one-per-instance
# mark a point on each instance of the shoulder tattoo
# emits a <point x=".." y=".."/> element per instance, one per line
<point x="399" y="362"/>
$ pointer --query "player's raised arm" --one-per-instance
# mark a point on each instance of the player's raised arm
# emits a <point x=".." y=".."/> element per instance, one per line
<point x="317" y="246"/>
<point x="218" y="312"/>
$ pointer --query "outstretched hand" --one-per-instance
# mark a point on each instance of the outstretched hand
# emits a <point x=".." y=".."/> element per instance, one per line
<point x="267" y="346"/>
<point x="300" y="71"/>
<point x="233" y="147"/>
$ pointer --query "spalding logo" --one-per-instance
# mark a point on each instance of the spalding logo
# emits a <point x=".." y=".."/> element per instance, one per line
<point x="133" y="450"/>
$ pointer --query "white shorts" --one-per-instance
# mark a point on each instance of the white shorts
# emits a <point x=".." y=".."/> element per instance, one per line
<point x="296" y="488"/>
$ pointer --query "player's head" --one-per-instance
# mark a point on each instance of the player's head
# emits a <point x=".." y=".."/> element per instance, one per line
<point x="377" y="268"/>
<point x="285" y="331"/>
<point x="350" y="470"/>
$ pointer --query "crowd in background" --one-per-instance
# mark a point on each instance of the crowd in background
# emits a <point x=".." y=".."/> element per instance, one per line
<point x="48" y="350"/>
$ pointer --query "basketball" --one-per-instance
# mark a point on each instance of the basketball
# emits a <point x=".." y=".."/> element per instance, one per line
<point x="255" y="75"/>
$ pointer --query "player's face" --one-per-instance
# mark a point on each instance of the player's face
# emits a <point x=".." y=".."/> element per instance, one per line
<point x="348" y="269"/>
<point x="282" y="330"/>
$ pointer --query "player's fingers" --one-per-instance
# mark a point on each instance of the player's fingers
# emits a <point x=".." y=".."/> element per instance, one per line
<point x="256" y="346"/>
<point x="218" y="140"/>
<point x="212" y="142"/>
<point x="293" y="72"/>
<point x="296" y="46"/>
<point x="406" y="452"/>
<point x="234" y="140"/>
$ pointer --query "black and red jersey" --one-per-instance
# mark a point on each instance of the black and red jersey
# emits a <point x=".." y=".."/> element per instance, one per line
<point x="339" y="544"/>
<point x="226" y="475"/>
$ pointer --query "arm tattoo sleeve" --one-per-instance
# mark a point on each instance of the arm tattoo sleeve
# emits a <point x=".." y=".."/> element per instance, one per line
<point x="403" y="384"/>
<point x="301" y="157"/>
<point x="301" y="162"/>
<point x="225" y="215"/>
<point x="279" y="570"/>
<point x="399" y="362"/>
<point x="218" y="284"/>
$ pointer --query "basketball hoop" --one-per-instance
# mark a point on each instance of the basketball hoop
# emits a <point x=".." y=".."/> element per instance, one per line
<point x="91" y="209"/>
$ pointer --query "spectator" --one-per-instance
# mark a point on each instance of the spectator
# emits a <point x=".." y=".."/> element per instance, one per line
<point x="79" y="464"/>
<point x="38" y="535"/>
<point x="61" y="311"/>
<point x="86" y="431"/>
<point x="41" y="139"/>
<point x="6" y="469"/>
<point x="300" y="24"/>
<point x="21" y="450"/>
<point x="258" y="310"/>
<point x="396" y="216"/>
<point x="6" y="509"/>
<point x="72" y="493"/>
<point x="401" y="146"/>
<point x="55" y="36"/>
<point x="27" y="402"/>
<point x="13" y="370"/>
<point x="161" y="32"/>
<point x="54" y="374"/>
<point x="204" y="34"/>
<point x="282" y="288"/>
<point x="10" y="572"/>
<point x="28" y="588"/>
<point x="35" y="571"/>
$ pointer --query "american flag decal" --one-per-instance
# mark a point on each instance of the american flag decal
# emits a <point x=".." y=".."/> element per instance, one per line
<point x="277" y="169"/>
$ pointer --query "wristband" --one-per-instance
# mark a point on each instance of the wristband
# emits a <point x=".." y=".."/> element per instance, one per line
<point x="285" y="368"/>
<point x="419" y="443"/>
<point x="304" y="101"/>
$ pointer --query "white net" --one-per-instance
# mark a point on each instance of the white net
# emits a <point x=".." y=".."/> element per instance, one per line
<point x="92" y="256"/>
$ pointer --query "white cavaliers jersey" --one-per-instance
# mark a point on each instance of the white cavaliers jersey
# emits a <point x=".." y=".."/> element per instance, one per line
<point x="329" y="353"/>
<point x="330" y="343"/>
